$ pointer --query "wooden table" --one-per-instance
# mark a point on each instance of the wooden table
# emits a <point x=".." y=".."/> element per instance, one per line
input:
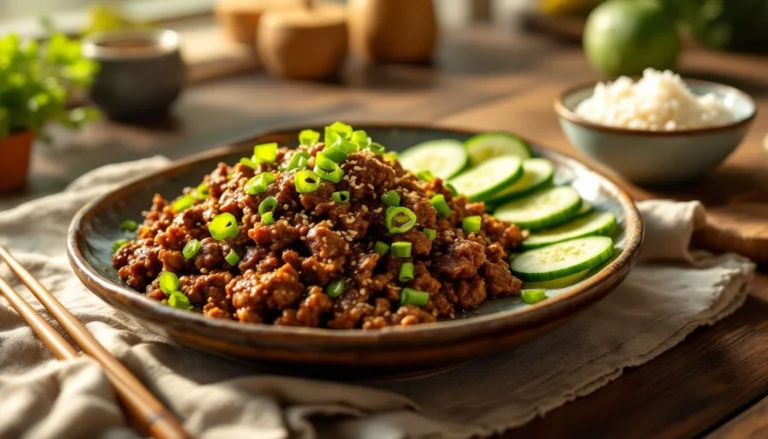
<point x="488" y="78"/>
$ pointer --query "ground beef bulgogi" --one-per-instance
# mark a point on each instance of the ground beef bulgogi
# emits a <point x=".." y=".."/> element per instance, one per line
<point x="318" y="259"/>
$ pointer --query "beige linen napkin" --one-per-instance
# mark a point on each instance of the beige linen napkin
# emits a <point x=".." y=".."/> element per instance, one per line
<point x="667" y="296"/>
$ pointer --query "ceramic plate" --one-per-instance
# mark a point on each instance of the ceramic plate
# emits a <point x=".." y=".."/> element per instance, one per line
<point x="496" y="325"/>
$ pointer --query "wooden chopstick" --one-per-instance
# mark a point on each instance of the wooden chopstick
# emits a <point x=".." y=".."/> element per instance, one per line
<point x="142" y="405"/>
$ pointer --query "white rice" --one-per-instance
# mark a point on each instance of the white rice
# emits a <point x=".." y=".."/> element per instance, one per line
<point x="659" y="101"/>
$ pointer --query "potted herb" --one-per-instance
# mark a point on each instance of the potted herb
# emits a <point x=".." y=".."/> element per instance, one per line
<point x="36" y="81"/>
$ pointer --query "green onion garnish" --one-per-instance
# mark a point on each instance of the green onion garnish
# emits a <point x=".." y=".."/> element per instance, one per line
<point x="472" y="223"/>
<point x="335" y="288"/>
<point x="191" y="249"/>
<point x="431" y="233"/>
<point x="340" y="196"/>
<point x="169" y="282"/>
<point x="259" y="183"/>
<point x="183" y="203"/>
<point x="438" y="202"/>
<point x="452" y="189"/>
<point x="360" y="138"/>
<point x="337" y="153"/>
<point x="382" y="248"/>
<point x="268" y="218"/>
<point x="202" y="191"/>
<point x="223" y="226"/>
<point x="399" y="219"/>
<point x="401" y="249"/>
<point x="426" y="175"/>
<point x="306" y="181"/>
<point x="330" y="137"/>
<point x="308" y="137"/>
<point x="390" y="156"/>
<point x="117" y="244"/>
<point x="232" y="258"/>
<point x="406" y="272"/>
<point x="391" y="198"/>
<point x="377" y="148"/>
<point x="341" y="128"/>
<point x="533" y="296"/>
<point x="298" y="161"/>
<point x="348" y="146"/>
<point x="129" y="226"/>
<point x="249" y="162"/>
<point x="268" y="205"/>
<point x="178" y="300"/>
<point x="266" y="152"/>
<point x="409" y="296"/>
<point x="327" y="169"/>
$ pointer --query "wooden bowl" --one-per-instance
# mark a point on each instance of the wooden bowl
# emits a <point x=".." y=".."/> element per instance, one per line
<point x="496" y="325"/>
<point x="240" y="19"/>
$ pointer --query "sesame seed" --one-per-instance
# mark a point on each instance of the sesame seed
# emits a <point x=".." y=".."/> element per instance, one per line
<point x="286" y="206"/>
<point x="365" y="208"/>
<point x="350" y="220"/>
<point x="303" y="238"/>
<point x="346" y="177"/>
<point x="357" y="168"/>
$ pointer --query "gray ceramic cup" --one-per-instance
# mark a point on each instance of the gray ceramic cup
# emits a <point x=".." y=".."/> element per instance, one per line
<point x="142" y="72"/>
<point x="658" y="157"/>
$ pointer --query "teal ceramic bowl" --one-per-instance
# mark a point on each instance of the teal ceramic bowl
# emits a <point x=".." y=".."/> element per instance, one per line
<point x="657" y="157"/>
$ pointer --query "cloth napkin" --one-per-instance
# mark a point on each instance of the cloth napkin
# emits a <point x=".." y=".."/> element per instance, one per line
<point x="670" y="293"/>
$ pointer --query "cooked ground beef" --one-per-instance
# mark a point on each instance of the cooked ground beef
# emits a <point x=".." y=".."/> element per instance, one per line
<point x="285" y="267"/>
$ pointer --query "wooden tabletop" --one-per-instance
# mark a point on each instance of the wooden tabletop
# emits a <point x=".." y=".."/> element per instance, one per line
<point x="488" y="78"/>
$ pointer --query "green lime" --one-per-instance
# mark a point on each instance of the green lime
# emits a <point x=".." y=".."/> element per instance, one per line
<point x="624" y="37"/>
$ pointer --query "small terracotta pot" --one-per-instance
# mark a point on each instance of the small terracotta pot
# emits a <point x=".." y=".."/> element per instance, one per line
<point x="14" y="161"/>
<point x="240" y="18"/>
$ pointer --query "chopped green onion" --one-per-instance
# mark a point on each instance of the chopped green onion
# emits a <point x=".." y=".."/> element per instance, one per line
<point x="377" y="148"/>
<point x="268" y="218"/>
<point x="328" y="170"/>
<point x="335" y="288"/>
<point x="340" y="196"/>
<point x="533" y="296"/>
<point x="360" y="138"/>
<point x="431" y="233"/>
<point x="268" y="205"/>
<point x="249" y="162"/>
<point x="426" y="175"/>
<point x="259" y="183"/>
<point x="129" y="226"/>
<point x="391" y="198"/>
<point x="341" y="128"/>
<point x="406" y="272"/>
<point x="223" y="226"/>
<point x="409" y="296"/>
<point x="178" y="300"/>
<point x="306" y="181"/>
<point x="390" y="156"/>
<point x="399" y="219"/>
<point x="266" y="152"/>
<point x="330" y="137"/>
<point x="298" y="161"/>
<point x="439" y="203"/>
<point x="169" y="282"/>
<point x="308" y="137"/>
<point x="348" y="146"/>
<point x="183" y="203"/>
<point x="232" y="258"/>
<point x="382" y="248"/>
<point x="337" y="153"/>
<point x="452" y="189"/>
<point x="472" y="223"/>
<point x="118" y="244"/>
<point x="191" y="249"/>
<point x="402" y="249"/>
<point x="202" y="191"/>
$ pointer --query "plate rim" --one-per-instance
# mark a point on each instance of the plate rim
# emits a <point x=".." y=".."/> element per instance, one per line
<point x="590" y="290"/>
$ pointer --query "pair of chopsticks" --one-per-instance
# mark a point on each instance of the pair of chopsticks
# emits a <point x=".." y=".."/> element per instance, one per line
<point x="144" y="409"/>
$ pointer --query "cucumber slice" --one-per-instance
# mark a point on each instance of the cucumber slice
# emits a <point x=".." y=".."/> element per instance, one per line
<point x="489" y="145"/>
<point x="585" y="208"/>
<point x="561" y="259"/>
<point x="443" y="158"/>
<point x="563" y="282"/>
<point x="537" y="174"/>
<point x="595" y="223"/>
<point x="487" y="178"/>
<point x="546" y="208"/>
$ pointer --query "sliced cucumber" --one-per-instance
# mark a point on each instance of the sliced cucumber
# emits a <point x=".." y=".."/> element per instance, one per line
<point x="542" y="209"/>
<point x="561" y="259"/>
<point x="487" y="178"/>
<point x="563" y="282"/>
<point x="586" y="207"/>
<point x="489" y="145"/>
<point x="537" y="174"/>
<point x="443" y="158"/>
<point x="595" y="223"/>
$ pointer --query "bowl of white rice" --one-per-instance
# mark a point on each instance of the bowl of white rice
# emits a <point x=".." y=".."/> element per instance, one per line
<point x="658" y="128"/>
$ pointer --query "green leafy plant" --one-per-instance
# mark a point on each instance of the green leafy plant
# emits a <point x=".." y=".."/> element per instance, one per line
<point x="36" y="81"/>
